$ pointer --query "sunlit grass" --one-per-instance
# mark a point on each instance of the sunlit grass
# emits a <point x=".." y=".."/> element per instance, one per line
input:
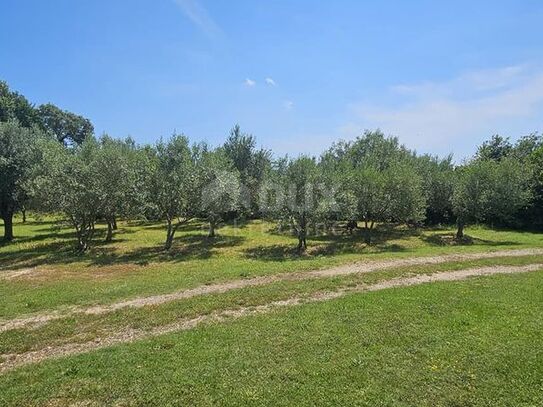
<point x="134" y="263"/>
<point x="463" y="343"/>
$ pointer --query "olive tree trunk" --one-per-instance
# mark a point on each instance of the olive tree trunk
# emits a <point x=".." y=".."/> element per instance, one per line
<point x="110" y="228"/>
<point x="368" y="229"/>
<point x="8" y="225"/>
<point x="302" y="235"/>
<point x="212" y="227"/>
<point x="460" y="229"/>
<point x="84" y="232"/>
<point x="170" y="232"/>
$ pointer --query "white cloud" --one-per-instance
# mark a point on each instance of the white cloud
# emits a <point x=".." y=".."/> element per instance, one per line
<point x="288" y="104"/>
<point x="455" y="115"/>
<point x="250" y="82"/>
<point x="270" y="82"/>
<point x="467" y="83"/>
<point x="199" y="16"/>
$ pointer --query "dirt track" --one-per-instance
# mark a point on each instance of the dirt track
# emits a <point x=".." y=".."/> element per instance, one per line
<point x="12" y="361"/>
<point x="37" y="320"/>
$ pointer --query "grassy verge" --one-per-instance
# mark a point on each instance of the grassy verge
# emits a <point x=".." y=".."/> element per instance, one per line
<point x="452" y="344"/>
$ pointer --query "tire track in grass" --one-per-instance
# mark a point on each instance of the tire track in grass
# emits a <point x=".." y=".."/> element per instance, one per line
<point x="37" y="320"/>
<point x="11" y="361"/>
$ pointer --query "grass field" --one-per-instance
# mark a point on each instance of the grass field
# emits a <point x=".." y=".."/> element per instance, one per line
<point x="463" y="343"/>
<point x="134" y="264"/>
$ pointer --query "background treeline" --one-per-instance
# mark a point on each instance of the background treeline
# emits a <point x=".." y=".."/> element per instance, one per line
<point x="50" y="161"/>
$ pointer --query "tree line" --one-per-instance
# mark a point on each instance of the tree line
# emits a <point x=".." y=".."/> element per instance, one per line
<point x="50" y="161"/>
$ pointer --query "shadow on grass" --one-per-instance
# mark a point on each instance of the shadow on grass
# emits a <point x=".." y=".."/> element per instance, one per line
<point x="449" y="239"/>
<point x="55" y="245"/>
<point x="192" y="226"/>
<point x="290" y="252"/>
<point x="49" y="230"/>
<point x="186" y="247"/>
<point x="187" y="227"/>
<point x="335" y="244"/>
<point x="355" y="242"/>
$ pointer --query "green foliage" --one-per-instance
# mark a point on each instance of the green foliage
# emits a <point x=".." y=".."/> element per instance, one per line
<point x="489" y="191"/>
<point x="66" y="127"/>
<point x="495" y="149"/>
<point x="173" y="183"/>
<point x="99" y="179"/>
<point x="120" y="179"/>
<point x="14" y="106"/>
<point x="373" y="178"/>
<point x="527" y="145"/>
<point x="390" y="195"/>
<point x="533" y="215"/>
<point x="18" y="158"/>
<point x="70" y="183"/>
<point x="378" y="181"/>
<point x="298" y="195"/>
<point x="437" y="176"/>
<point x="537" y="160"/>
<point x="375" y="150"/>
<point x="251" y="164"/>
<point x="523" y="152"/>
<point x="219" y="186"/>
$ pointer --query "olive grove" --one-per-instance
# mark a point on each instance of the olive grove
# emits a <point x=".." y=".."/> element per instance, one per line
<point x="51" y="162"/>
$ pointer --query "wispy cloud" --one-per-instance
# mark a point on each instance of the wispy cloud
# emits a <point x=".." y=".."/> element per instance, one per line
<point x="270" y="82"/>
<point x="453" y="114"/>
<point x="288" y="104"/>
<point x="196" y="13"/>
<point x="250" y="82"/>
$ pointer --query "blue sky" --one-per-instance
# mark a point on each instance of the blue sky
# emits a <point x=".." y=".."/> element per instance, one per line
<point x="442" y="76"/>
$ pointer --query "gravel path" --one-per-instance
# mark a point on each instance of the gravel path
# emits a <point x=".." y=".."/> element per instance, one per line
<point x="12" y="361"/>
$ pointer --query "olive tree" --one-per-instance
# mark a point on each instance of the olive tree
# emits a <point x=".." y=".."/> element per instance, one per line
<point x="219" y="186"/>
<point x="18" y="155"/>
<point x="173" y="183"/>
<point x="298" y="196"/>
<point x="535" y="209"/>
<point x="69" y="184"/>
<point x="252" y="165"/>
<point x="393" y="194"/>
<point x="487" y="190"/>
<point x="378" y="181"/>
<point x="120" y="180"/>
<point x="437" y="175"/>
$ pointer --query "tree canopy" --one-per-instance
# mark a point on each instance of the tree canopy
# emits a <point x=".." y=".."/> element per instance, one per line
<point x="68" y="128"/>
<point x="18" y="158"/>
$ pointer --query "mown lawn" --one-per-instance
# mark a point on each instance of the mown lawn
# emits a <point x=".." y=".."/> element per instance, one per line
<point x="134" y="264"/>
<point x="81" y="328"/>
<point x="471" y="343"/>
<point x="450" y="344"/>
